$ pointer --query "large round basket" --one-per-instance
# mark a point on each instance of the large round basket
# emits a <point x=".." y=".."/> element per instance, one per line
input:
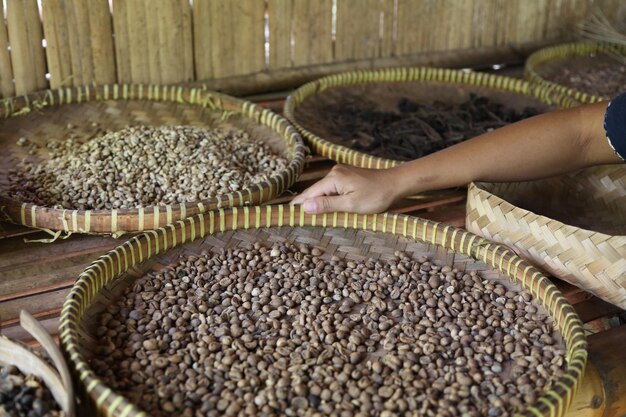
<point x="345" y="235"/>
<point x="556" y="56"/>
<point x="308" y="107"/>
<point x="573" y="226"/>
<point x="82" y="111"/>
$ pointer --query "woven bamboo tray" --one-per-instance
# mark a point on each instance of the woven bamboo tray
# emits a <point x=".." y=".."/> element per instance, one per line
<point x="350" y="236"/>
<point x="573" y="226"/>
<point x="306" y="109"/>
<point x="57" y="379"/>
<point x="48" y="114"/>
<point x="532" y="68"/>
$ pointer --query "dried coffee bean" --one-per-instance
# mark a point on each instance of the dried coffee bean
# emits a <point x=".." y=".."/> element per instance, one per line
<point x="286" y="337"/>
<point x="143" y="165"/>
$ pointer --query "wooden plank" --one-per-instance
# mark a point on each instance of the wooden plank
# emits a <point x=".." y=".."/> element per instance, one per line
<point x="15" y="332"/>
<point x="387" y="30"/>
<point x="7" y="88"/>
<point x="312" y="34"/>
<point x="590" y="399"/>
<point x="280" y="19"/>
<point x="287" y="78"/>
<point x="51" y="275"/>
<point x="18" y="253"/>
<point x="25" y="37"/>
<point x="607" y="354"/>
<point x="413" y="27"/>
<point x="138" y="42"/>
<point x="202" y="47"/>
<point x="232" y="35"/>
<point x="595" y="308"/>
<point x="450" y="214"/>
<point x="55" y="28"/>
<point x="101" y="36"/>
<point x="83" y="33"/>
<point x="151" y="14"/>
<point x="8" y="230"/>
<point x="362" y="40"/>
<point x="75" y="77"/>
<point x="188" y="56"/>
<point x="122" y="40"/>
<point x="46" y="303"/>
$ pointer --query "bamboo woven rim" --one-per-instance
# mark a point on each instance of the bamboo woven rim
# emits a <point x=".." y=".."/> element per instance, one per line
<point x="142" y="247"/>
<point x="586" y="258"/>
<point x="118" y="221"/>
<point x="544" y="55"/>
<point x="345" y="155"/>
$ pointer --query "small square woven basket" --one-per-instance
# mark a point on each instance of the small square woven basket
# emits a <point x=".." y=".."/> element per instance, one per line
<point x="573" y="226"/>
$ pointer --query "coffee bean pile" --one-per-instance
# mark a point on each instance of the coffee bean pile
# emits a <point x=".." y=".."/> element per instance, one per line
<point x="599" y="75"/>
<point x="143" y="165"/>
<point x="25" y="396"/>
<point x="290" y="331"/>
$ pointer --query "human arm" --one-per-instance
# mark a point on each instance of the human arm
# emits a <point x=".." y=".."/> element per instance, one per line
<point x="538" y="147"/>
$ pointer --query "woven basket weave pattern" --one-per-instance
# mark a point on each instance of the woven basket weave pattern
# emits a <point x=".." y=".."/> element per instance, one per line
<point x="46" y="115"/>
<point x="471" y="79"/>
<point x="587" y="247"/>
<point x="358" y="235"/>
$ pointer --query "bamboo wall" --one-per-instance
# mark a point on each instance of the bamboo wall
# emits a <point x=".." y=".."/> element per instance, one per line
<point x="241" y="45"/>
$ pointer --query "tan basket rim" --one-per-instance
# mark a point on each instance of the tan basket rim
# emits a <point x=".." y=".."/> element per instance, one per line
<point x="536" y="59"/>
<point x="345" y="155"/>
<point x="141" y="247"/>
<point x="150" y="217"/>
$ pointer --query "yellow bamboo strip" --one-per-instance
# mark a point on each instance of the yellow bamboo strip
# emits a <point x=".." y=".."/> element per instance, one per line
<point x="25" y="37"/>
<point x="280" y="14"/>
<point x="7" y="88"/>
<point x="122" y="42"/>
<point x="362" y="40"/>
<point x="312" y="32"/>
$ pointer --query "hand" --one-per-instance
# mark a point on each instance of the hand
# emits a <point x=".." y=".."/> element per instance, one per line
<point x="349" y="189"/>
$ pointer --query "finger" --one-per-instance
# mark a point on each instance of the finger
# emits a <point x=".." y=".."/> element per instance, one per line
<point x="327" y="204"/>
<point x="325" y="186"/>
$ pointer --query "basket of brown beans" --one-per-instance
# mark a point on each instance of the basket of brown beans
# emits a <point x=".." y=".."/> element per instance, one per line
<point x="272" y="311"/>
<point x="122" y="158"/>
<point x="32" y="384"/>
<point x="586" y="71"/>
<point x="380" y="118"/>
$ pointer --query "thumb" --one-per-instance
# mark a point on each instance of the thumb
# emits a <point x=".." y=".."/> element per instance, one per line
<point x="327" y="204"/>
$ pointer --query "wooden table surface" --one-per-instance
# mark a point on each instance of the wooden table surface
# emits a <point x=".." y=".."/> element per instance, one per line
<point x="37" y="276"/>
